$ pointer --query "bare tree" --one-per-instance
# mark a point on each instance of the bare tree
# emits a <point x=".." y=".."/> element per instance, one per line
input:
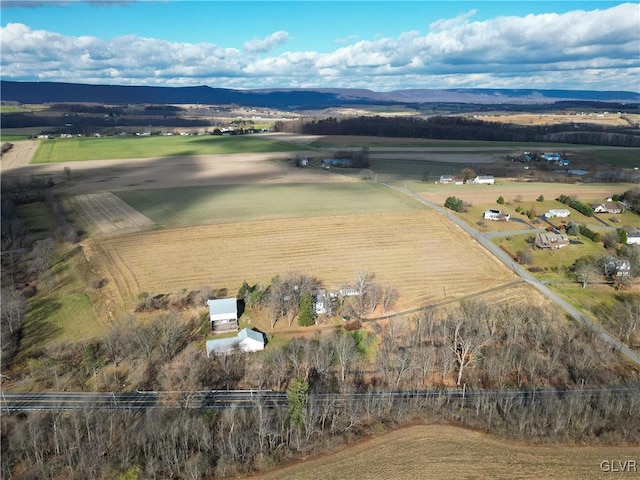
<point x="585" y="273"/>
<point x="465" y="337"/>
<point x="12" y="307"/>
<point x="389" y="296"/>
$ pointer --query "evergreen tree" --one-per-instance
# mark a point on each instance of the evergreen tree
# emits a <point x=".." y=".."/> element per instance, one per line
<point x="305" y="311"/>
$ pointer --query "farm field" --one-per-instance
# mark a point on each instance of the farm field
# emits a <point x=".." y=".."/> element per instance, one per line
<point x="418" y="252"/>
<point x="108" y="215"/>
<point x="442" y="451"/>
<point x="81" y="149"/>
<point x="179" y="207"/>
<point x="518" y="192"/>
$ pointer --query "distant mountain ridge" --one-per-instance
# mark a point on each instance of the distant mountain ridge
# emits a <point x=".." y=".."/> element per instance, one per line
<point x="292" y="98"/>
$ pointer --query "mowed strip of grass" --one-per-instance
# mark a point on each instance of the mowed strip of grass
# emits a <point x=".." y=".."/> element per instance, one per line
<point x="440" y="451"/>
<point x="179" y="207"/>
<point x="110" y="148"/>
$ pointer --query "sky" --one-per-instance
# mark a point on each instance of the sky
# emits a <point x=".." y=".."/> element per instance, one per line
<point x="375" y="45"/>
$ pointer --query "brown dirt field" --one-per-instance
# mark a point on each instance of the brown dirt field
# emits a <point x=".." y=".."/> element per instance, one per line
<point x="20" y="155"/>
<point x="609" y="119"/>
<point x="525" y="192"/>
<point x="109" y="215"/>
<point x="441" y="451"/>
<point x="137" y="174"/>
<point x="420" y="253"/>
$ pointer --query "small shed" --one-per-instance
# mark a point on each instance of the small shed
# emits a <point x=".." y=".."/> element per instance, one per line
<point x="223" y="314"/>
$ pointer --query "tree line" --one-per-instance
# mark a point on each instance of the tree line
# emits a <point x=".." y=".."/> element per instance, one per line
<point x="478" y="344"/>
<point x="460" y="128"/>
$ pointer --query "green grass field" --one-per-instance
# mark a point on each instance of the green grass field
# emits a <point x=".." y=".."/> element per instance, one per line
<point x="13" y="138"/>
<point x="81" y="149"/>
<point x="179" y="207"/>
<point x="617" y="157"/>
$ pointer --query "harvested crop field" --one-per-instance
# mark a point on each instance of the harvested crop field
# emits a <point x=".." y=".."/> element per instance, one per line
<point x="183" y="207"/>
<point x="109" y="215"/>
<point x="440" y="451"/>
<point x="418" y="252"/>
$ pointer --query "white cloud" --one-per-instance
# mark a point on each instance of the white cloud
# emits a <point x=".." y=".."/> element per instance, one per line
<point x="595" y="49"/>
<point x="266" y="44"/>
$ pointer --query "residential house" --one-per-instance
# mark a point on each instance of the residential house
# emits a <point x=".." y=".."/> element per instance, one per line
<point x="617" y="267"/>
<point x="557" y="212"/>
<point x="633" y="238"/>
<point x="223" y="314"/>
<point x="321" y="302"/>
<point x="496" y="215"/>
<point x="550" y="240"/>
<point x="245" y="341"/>
<point x="446" y="179"/>
<point x="606" y="208"/>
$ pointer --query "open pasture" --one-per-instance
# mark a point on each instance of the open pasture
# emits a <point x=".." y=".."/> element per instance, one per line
<point x="179" y="207"/>
<point x="418" y="252"/>
<point x="110" y="148"/>
<point x="442" y="451"/>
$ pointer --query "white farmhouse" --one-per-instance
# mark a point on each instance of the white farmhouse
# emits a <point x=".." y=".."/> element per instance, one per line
<point x="496" y="215"/>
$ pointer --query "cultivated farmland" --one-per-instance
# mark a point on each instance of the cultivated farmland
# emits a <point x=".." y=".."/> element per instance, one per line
<point x="109" y="215"/>
<point x="418" y="252"/>
<point x="440" y="451"/>
<point x="180" y="207"/>
<point x="81" y="149"/>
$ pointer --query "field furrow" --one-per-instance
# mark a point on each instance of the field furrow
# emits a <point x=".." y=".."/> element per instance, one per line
<point x="418" y="252"/>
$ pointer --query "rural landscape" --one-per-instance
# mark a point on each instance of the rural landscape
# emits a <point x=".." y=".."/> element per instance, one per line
<point x="319" y="240"/>
<point x="375" y="270"/>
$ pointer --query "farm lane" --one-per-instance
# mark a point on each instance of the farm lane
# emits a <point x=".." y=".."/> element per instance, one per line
<point x="573" y="312"/>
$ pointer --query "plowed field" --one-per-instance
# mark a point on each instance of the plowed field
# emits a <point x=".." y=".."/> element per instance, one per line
<point x="418" y="252"/>
<point x="438" y="451"/>
<point x="109" y="215"/>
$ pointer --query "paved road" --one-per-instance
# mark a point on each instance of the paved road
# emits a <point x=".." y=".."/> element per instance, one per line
<point x="573" y="312"/>
<point x="219" y="399"/>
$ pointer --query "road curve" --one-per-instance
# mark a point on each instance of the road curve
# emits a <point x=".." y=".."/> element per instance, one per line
<point x="573" y="312"/>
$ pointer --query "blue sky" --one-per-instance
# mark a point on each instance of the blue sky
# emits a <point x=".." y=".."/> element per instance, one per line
<point x="378" y="45"/>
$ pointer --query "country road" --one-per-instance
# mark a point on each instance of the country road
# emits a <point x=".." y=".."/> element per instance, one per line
<point x="573" y="312"/>
<point x="220" y="399"/>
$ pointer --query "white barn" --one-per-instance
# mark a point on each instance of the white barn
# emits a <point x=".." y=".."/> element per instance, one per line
<point x="484" y="180"/>
<point x="223" y="314"/>
<point x="245" y="341"/>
